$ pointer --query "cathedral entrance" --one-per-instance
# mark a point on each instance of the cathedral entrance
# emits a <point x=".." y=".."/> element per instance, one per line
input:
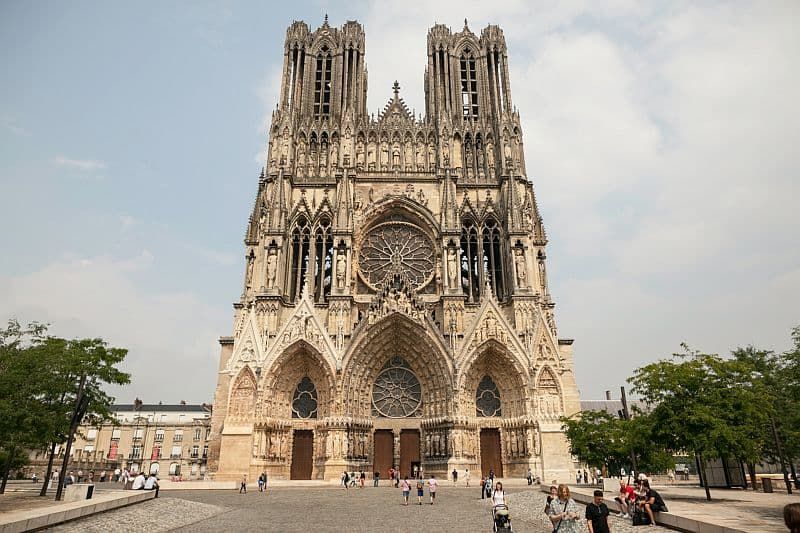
<point x="409" y="452"/>
<point x="383" y="457"/>
<point x="490" y="452"/>
<point x="302" y="454"/>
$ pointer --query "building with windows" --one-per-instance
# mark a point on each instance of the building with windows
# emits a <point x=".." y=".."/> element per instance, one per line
<point x="169" y="440"/>
<point x="395" y="309"/>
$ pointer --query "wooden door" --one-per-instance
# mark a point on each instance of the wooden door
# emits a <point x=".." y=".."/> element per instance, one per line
<point x="302" y="454"/>
<point x="490" y="452"/>
<point x="383" y="456"/>
<point x="409" y="450"/>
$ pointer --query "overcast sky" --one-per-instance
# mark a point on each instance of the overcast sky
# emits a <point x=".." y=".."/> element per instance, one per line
<point x="662" y="140"/>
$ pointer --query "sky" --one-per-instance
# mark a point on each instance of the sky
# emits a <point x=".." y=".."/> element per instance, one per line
<point x="662" y="139"/>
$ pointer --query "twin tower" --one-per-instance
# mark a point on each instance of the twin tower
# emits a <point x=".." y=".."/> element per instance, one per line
<point x="395" y="309"/>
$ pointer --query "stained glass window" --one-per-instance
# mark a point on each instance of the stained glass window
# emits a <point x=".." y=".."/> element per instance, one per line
<point x="487" y="399"/>
<point x="304" y="403"/>
<point x="396" y="392"/>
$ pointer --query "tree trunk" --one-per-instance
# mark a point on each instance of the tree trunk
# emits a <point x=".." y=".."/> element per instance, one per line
<point x="12" y="452"/>
<point x="49" y="471"/>
<point x="77" y="415"/>
<point x="702" y="473"/>
<point x="780" y="456"/>
<point x="751" y="469"/>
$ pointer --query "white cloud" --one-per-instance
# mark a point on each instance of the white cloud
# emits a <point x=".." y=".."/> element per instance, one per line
<point x="81" y="164"/>
<point x="170" y="336"/>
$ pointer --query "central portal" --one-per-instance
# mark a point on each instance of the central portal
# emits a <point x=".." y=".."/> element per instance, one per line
<point x="409" y="452"/>
<point x="490" y="452"/>
<point x="302" y="454"/>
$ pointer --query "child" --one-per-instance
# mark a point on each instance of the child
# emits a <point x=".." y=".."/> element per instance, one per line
<point x="420" y="490"/>
<point x="406" y="489"/>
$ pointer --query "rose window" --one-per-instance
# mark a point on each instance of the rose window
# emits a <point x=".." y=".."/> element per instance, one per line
<point x="396" y="248"/>
<point x="396" y="392"/>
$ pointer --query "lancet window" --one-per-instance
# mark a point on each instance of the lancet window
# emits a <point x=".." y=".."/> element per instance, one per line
<point x="304" y="401"/>
<point x="470" y="266"/>
<point x="322" y="84"/>
<point x="492" y="258"/>
<point x="299" y="257"/>
<point x="487" y="398"/>
<point x="323" y="261"/>
<point x="469" y="86"/>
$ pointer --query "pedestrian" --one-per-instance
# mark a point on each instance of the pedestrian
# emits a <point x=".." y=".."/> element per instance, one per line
<point x="653" y="502"/>
<point x="243" y="485"/>
<point x="376" y="476"/>
<point x="261" y="482"/>
<point x="791" y="516"/>
<point x="489" y="483"/>
<point x="80" y="476"/>
<point x="578" y="477"/>
<point x="586" y="478"/>
<point x="597" y="514"/>
<point x="483" y="490"/>
<point x="138" y="482"/>
<point x="550" y="497"/>
<point x="117" y="473"/>
<point x="391" y="476"/>
<point x="455" y="477"/>
<point x="432" y="486"/>
<point x="396" y="478"/>
<point x="103" y="476"/>
<point x="406" y="486"/>
<point x="625" y="499"/>
<point x="34" y="478"/>
<point x="499" y="495"/>
<point x="466" y="477"/>
<point x="529" y="476"/>
<point x="345" y="479"/>
<point x="151" y="484"/>
<point x="362" y="477"/>
<point x="563" y="512"/>
<point x="420" y="489"/>
<point x="353" y="479"/>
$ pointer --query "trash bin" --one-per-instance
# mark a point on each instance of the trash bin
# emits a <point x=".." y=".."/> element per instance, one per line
<point x="767" y="484"/>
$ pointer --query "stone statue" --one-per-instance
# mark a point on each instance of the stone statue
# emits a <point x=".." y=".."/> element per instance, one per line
<point x="341" y="269"/>
<point x="334" y="155"/>
<point x="519" y="263"/>
<point x="395" y="158"/>
<point x="272" y="267"/>
<point x="452" y="268"/>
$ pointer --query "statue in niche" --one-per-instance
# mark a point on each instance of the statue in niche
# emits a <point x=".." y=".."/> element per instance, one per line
<point x="468" y="152"/>
<point x="457" y="154"/>
<point x="323" y="157"/>
<point x="431" y="158"/>
<point x="384" y="154"/>
<point x="285" y="155"/>
<point x="341" y="268"/>
<point x="272" y="267"/>
<point x="452" y="268"/>
<point x="360" y="154"/>
<point x="519" y="263"/>
<point x="371" y="154"/>
<point x="395" y="157"/>
<point x="446" y="154"/>
<point x="479" y="158"/>
<point x="490" y="155"/>
<point x="334" y="155"/>
<point x="408" y="156"/>
<point x="282" y="446"/>
<point x="542" y="271"/>
<point x="420" y="157"/>
<point x="251" y="259"/>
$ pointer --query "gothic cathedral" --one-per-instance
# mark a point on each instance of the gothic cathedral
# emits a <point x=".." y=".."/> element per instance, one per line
<point x="395" y="308"/>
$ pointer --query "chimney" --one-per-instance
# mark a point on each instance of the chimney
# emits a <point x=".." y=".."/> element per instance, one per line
<point x="608" y="395"/>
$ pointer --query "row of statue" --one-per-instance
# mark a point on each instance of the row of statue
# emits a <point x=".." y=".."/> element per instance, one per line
<point x="271" y="444"/>
<point x="476" y="161"/>
<point x="519" y="442"/>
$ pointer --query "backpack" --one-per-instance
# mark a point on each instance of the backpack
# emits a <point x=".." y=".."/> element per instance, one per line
<point x="640" y="518"/>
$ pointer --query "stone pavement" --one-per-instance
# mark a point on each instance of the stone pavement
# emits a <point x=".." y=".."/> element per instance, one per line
<point x="325" y="509"/>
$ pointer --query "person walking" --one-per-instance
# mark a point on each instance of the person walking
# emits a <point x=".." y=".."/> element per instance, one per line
<point x="578" y="477"/>
<point x="597" y="514"/>
<point x="243" y="485"/>
<point x="483" y="490"/>
<point x="261" y="482"/>
<point x="345" y="480"/>
<point x="499" y="495"/>
<point x="529" y="476"/>
<point x="362" y="477"/>
<point x="406" y="486"/>
<point x="432" y="486"/>
<point x="563" y="512"/>
<point x="466" y="477"/>
<point x="455" y="477"/>
<point x="550" y="497"/>
<point x="420" y="490"/>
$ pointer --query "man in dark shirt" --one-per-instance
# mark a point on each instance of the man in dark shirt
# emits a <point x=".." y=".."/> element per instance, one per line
<point x="653" y="502"/>
<point x="597" y="514"/>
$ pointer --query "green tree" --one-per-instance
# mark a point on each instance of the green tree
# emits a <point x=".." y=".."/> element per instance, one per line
<point x="19" y="409"/>
<point x="701" y="403"/>
<point x="597" y="438"/>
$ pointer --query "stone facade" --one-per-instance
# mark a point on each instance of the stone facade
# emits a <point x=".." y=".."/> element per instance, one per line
<point x="395" y="307"/>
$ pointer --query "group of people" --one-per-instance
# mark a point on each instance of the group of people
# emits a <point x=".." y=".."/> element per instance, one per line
<point x="586" y="475"/>
<point x="351" y="479"/>
<point x="641" y="499"/>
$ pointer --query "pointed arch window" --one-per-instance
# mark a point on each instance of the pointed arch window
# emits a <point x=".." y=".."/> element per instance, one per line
<point x="469" y="86"/>
<point x="299" y="257"/>
<point x="322" y="84"/>
<point x="323" y="261"/>
<point x="487" y="399"/>
<point x="470" y="265"/>
<point x="304" y="401"/>
<point x="492" y="258"/>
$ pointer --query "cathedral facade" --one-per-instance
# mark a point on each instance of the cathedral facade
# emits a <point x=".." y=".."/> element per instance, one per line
<point x="395" y="308"/>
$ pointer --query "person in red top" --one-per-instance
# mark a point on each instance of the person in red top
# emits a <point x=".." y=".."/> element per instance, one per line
<point x="626" y="498"/>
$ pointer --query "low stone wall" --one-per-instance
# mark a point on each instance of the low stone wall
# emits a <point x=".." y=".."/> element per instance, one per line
<point x="34" y="519"/>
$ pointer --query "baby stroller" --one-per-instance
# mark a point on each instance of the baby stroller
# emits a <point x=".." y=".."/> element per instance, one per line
<point x="501" y="520"/>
